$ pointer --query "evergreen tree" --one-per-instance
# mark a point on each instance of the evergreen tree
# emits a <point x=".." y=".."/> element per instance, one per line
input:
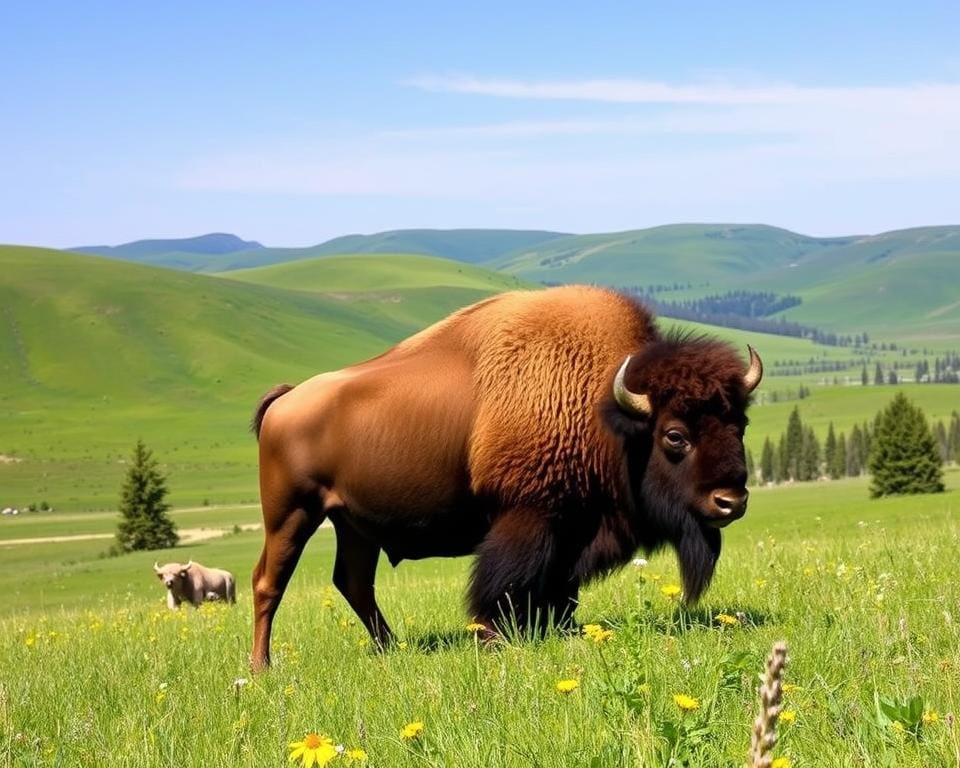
<point x="892" y="377"/>
<point x="878" y="375"/>
<point x="794" y="444"/>
<point x="783" y="460"/>
<point x="904" y="457"/>
<point x="940" y="435"/>
<point x="855" y="452"/>
<point x="767" y="461"/>
<point x="809" y="464"/>
<point x="864" y="379"/>
<point x="145" y="524"/>
<point x="830" y="450"/>
<point x="953" y="437"/>
<point x="751" y="467"/>
<point x="839" y="466"/>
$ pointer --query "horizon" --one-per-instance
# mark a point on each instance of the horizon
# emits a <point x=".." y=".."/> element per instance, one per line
<point x="260" y="242"/>
<point x="126" y="123"/>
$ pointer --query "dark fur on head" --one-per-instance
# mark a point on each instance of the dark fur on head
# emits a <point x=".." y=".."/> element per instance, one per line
<point x="699" y="382"/>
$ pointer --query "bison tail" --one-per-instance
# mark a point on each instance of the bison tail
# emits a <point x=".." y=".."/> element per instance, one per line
<point x="265" y="402"/>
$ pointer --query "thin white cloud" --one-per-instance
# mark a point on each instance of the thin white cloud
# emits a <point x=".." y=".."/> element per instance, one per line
<point x="714" y="152"/>
<point x="627" y="91"/>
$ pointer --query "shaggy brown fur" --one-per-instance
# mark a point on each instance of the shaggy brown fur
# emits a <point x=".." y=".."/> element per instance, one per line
<point x="495" y="432"/>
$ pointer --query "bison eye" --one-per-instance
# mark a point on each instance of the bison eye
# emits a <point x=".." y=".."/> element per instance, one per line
<point x="675" y="440"/>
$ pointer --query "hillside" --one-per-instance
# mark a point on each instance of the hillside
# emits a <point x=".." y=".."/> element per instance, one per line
<point x="374" y="272"/>
<point x="95" y="353"/>
<point x="180" y="253"/>
<point x="220" y="253"/>
<point x="470" y="245"/>
<point x="896" y="285"/>
<point x="676" y="253"/>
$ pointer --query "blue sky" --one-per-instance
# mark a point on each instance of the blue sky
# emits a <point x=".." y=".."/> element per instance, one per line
<point x="297" y="122"/>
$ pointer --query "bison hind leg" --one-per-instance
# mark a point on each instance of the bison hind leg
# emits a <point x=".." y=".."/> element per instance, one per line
<point x="521" y="583"/>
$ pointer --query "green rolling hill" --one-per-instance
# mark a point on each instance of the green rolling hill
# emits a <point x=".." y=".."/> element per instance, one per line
<point x="900" y="285"/>
<point x="96" y="352"/>
<point x="676" y="253"/>
<point x="221" y="252"/>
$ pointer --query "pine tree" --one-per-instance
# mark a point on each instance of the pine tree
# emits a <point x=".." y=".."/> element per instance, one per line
<point x="839" y="467"/>
<point x="794" y="444"/>
<point x="145" y="524"/>
<point x="767" y="461"/>
<point x="953" y="438"/>
<point x="751" y="467"/>
<point x="943" y="448"/>
<point x="855" y="452"/>
<point x="864" y="379"/>
<point x="904" y="457"/>
<point x="830" y="450"/>
<point x="878" y="375"/>
<point x="783" y="460"/>
<point x="809" y="464"/>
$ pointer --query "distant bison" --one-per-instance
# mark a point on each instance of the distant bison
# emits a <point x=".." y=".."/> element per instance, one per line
<point x="551" y="433"/>
<point x="195" y="583"/>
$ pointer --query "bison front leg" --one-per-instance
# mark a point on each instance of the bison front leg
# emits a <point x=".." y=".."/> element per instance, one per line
<point x="521" y="576"/>
<point x="354" y="572"/>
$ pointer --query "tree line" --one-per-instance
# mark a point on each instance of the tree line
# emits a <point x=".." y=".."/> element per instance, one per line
<point x="799" y="455"/>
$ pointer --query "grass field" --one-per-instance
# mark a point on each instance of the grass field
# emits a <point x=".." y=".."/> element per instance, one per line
<point x="97" y="672"/>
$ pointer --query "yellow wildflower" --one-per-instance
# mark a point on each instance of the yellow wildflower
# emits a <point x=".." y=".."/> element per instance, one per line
<point x="567" y="686"/>
<point x="475" y="626"/>
<point x="781" y="762"/>
<point x="670" y="591"/>
<point x="357" y="755"/>
<point x="312" y="750"/>
<point x="727" y="619"/>
<point x="930" y="717"/>
<point x="790" y="687"/>
<point x="598" y="634"/>
<point x="788" y="716"/>
<point x="760" y="583"/>
<point x="897" y="726"/>
<point x="412" y="730"/>
<point x="685" y="703"/>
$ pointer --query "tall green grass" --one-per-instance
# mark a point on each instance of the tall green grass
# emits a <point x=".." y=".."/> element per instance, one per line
<point x="863" y="592"/>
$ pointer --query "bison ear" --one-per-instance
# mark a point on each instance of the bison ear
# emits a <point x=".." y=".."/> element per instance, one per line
<point x="183" y="574"/>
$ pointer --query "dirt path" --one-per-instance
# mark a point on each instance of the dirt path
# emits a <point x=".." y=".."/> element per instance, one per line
<point x="187" y="535"/>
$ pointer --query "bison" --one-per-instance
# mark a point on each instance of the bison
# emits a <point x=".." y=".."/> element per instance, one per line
<point x="195" y="583"/>
<point x="551" y="433"/>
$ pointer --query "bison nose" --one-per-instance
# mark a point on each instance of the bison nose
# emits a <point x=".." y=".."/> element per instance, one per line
<point x="730" y="504"/>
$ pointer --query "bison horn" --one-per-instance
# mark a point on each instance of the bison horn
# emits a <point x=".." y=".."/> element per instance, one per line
<point x="156" y="566"/>
<point x="755" y="372"/>
<point x="629" y="401"/>
<point x="187" y="566"/>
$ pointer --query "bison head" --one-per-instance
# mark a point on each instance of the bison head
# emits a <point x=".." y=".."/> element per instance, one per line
<point x="680" y="405"/>
<point x="172" y="574"/>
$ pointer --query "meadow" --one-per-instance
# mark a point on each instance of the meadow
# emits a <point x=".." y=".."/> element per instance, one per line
<point x="96" y="670"/>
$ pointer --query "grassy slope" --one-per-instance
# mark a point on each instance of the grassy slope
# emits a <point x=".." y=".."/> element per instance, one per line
<point x="675" y="253"/>
<point x="95" y="353"/>
<point x="217" y="253"/>
<point x="376" y="272"/>
<point x="897" y="285"/>
<point x="861" y="590"/>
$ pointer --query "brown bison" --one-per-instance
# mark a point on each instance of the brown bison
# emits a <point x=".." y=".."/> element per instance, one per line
<point x="550" y="433"/>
